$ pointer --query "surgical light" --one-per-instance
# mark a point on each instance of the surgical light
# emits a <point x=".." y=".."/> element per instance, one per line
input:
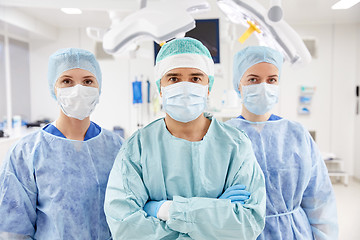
<point x="159" y="22"/>
<point x="71" y="10"/>
<point x="271" y="29"/>
<point x="344" y="4"/>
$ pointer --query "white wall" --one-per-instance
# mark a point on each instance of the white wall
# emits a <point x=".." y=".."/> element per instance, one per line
<point x="333" y="73"/>
<point x="316" y="74"/>
<point x="3" y="110"/>
<point x="20" y="79"/>
<point x="42" y="104"/>
<point x="115" y="107"/>
<point x="357" y="117"/>
<point x="344" y="70"/>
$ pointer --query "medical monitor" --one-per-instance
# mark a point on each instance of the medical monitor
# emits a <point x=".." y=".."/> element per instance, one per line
<point x="207" y="32"/>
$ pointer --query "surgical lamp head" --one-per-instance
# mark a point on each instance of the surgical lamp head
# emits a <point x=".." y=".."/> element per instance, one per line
<point x="71" y="58"/>
<point x="250" y="56"/>
<point x="184" y="53"/>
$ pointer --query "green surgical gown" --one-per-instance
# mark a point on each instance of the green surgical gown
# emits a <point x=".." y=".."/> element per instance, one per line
<point x="155" y="165"/>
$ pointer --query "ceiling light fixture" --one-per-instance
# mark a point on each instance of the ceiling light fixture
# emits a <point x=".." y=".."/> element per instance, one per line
<point x="71" y="10"/>
<point x="344" y="4"/>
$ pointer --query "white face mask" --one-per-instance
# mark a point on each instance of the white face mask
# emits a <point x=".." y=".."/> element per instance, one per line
<point x="184" y="101"/>
<point x="78" y="101"/>
<point x="260" y="98"/>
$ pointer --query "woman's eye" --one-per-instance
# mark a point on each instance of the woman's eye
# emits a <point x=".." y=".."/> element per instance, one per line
<point x="252" y="80"/>
<point x="88" y="81"/>
<point x="66" y="81"/>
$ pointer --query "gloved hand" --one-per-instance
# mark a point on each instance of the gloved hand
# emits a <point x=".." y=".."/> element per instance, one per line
<point x="236" y="193"/>
<point x="164" y="211"/>
<point x="152" y="207"/>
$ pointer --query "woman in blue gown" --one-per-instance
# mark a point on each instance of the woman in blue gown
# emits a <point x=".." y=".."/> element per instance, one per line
<point x="53" y="181"/>
<point x="300" y="199"/>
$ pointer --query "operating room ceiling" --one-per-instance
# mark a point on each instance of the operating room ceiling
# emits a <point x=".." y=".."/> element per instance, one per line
<point x="95" y="12"/>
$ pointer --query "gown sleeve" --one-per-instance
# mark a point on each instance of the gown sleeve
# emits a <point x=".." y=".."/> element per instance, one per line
<point x="209" y="218"/>
<point x="125" y="198"/>
<point x="18" y="195"/>
<point x="319" y="200"/>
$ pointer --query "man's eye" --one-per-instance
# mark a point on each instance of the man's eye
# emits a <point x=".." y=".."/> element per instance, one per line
<point x="196" y="79"/>
<point x="272" y="80"/>
<point x="173" y="79"/>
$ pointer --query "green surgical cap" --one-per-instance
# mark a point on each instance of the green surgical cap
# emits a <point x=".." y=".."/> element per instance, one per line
<point x="184" y="53"/>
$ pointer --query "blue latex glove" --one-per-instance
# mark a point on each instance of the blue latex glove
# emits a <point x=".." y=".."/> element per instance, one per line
<point x="236" y="193"/>
<point x="152" y="207"/>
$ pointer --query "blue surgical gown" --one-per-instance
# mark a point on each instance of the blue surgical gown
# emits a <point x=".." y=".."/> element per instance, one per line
<point x="92" y="131"/>
<point x="155" y="165"/>
<point x="300" y="200"/>
<point x="54" y="188"/>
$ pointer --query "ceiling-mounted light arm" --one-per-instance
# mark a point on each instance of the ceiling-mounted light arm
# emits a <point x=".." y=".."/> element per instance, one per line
<point x="201" y="6"/>
<point x="143" y="4"/>
<point x="95" y="33"/>
<point x="159" y="22"/>
<point x="278" y="35"/>
<point x="275" y="12"/>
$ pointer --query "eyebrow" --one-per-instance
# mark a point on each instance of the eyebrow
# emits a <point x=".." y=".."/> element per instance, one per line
<point x="68" y="76"/>
<point x="173" y="74"/>
<point x="178" y="74"/>
<point x="254" y="75"/>
<point x="197" y="74"/>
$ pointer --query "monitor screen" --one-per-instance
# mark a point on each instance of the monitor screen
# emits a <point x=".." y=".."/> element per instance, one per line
<point x="207" y="32"/>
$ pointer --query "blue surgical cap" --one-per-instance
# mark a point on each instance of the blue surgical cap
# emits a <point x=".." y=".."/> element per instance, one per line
<point x="70" y="58"/>
<point x="250" y="56"/>
<point x="184" y="53"/>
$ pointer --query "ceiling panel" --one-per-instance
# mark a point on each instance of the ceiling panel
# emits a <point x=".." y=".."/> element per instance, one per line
<point x="295" y="11"/>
